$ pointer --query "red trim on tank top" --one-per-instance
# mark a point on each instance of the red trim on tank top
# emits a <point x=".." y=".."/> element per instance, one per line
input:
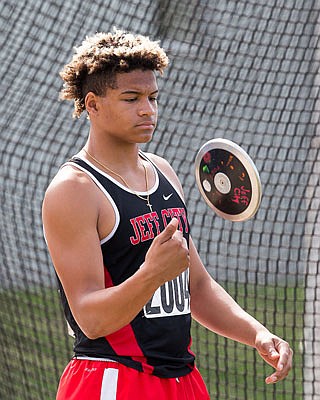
<point x="123" y="341"/>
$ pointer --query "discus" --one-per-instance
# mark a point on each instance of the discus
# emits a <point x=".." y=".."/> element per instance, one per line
<point x="228" y="179"/>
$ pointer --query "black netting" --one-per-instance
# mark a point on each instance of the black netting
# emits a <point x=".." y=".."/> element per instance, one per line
<point x="244" y="70"/>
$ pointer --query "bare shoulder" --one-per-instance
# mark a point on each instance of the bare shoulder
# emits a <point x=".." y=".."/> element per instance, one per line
<point x="159" y="161"/>
<point x="69" y="184"/>
<point x="69" y="198"/>
<point x="165" y="168"/>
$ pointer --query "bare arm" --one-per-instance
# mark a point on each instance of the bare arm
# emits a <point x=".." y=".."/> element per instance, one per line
<point x="215" y="309"/>
<point x="71" y="211"/>
<point x="226" y="313"/>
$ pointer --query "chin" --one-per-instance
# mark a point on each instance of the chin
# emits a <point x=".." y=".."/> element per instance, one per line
<point x="146" y="138"/>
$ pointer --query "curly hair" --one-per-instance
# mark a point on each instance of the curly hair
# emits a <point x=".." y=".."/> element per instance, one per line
<point x="96" y="62"/>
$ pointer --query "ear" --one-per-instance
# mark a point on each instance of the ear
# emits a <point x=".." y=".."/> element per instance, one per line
<point x="90" y="102"/>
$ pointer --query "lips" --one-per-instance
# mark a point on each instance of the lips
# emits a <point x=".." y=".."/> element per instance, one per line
<point x="146" y="125"/>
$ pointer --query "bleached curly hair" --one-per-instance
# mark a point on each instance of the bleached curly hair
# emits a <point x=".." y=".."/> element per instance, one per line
<point x="100" y="57"/>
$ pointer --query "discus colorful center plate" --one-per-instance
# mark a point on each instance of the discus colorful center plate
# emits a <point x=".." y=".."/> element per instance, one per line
<point x="228" y="179"/>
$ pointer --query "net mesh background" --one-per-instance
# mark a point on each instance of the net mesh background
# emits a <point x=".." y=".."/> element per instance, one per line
<point x="245" y="70"/>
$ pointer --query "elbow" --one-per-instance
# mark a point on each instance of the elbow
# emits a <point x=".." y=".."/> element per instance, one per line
<point x="92" y="333"/>
<point x="89" y="325"/>
<point x="89" y="320"/>
<point x="95" y="330"/>
<point x="94" y="321"/>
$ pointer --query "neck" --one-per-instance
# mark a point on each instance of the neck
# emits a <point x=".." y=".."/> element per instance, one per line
<point x="123" y="180"/>
<point x="131" y="176"/>
<point x="119" y="158"/>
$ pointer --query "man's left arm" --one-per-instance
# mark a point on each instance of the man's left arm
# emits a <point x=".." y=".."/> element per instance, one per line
<point x="215" y="309"/>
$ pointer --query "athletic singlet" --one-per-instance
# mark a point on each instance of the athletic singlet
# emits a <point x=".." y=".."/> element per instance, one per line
<point x="158" y="339"/>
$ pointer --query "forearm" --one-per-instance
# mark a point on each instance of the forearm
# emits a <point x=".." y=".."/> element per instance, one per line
<point x="104" y="311"/>
<point x="215" y="309"/>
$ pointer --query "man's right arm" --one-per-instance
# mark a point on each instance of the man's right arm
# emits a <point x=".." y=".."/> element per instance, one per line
<point x="71" y="210"/>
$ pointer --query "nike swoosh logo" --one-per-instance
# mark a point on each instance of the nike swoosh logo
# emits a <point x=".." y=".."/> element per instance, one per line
<point x="167" y="197"/>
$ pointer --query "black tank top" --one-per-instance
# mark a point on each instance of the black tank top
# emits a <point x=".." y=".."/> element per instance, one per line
<point x="158" y="340"/>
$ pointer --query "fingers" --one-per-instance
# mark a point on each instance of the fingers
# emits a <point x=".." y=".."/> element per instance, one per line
<point x="169" y="231"/>
<point x="280" y="374"/>
<point x="285" y="354"/>
<point x="281" y="354"/>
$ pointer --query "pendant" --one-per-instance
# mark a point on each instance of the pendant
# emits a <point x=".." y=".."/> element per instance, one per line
<point x="149" y="205"/>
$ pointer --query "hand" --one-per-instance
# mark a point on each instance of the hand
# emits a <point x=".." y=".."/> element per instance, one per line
<point x="277" y="353"/>
<point x="168" y="256"/>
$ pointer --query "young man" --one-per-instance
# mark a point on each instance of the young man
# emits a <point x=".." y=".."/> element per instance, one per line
<point x="118" y="234"/>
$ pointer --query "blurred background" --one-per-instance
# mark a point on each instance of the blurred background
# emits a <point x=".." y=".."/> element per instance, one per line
<point x="244" y="70"/>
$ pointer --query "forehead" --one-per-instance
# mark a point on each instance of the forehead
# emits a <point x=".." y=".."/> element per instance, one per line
<point x="137" y="80"/>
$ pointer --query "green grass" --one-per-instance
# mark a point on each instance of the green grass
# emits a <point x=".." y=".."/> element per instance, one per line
<point x="35" y="347"/>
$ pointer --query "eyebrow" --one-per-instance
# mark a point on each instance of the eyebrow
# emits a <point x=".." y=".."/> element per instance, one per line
<point x="137" y="92"/>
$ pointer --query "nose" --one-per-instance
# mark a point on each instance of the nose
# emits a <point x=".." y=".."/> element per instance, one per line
<point x="147" y="107"/>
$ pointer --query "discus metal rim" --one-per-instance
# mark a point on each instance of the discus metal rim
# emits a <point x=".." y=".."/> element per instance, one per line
<point x="249" y="165"/>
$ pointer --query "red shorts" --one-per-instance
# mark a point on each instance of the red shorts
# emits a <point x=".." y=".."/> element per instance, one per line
<point x="108" y="380"/>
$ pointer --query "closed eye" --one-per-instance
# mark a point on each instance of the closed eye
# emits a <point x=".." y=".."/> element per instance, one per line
<point x="131" y="100"/>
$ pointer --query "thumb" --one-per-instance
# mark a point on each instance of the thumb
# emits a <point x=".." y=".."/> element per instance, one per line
<point x="169" y="230"/>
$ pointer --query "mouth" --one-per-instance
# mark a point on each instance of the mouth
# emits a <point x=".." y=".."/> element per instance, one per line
<point x="146" y="125"/>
